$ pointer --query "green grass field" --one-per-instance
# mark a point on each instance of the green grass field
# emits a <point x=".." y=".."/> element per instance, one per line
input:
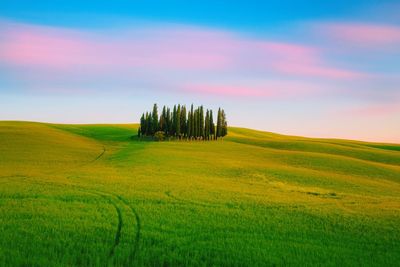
<point x="91" y="195"/>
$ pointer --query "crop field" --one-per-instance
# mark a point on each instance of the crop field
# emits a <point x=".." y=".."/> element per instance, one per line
<point x="94" y="195"/>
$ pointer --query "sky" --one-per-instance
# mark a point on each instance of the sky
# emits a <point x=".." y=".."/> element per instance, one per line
<point x="310" y="68"/>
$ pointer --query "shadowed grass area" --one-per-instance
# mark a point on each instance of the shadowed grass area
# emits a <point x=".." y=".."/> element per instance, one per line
<point x="92" y="195"/>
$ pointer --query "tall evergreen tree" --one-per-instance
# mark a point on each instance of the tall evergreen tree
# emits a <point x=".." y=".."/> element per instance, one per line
<point x="219" y="123"/>
<point x="201" y="123"/>
<point x="168" y="122"/>
<point x="155" y="119"/>
<point x="224" y="124"/>
<point x="183" y="120"/>
<point x="191" y="122"/>
<point x="207" y="126"/>
<point x="178" y="122"/>
<point x="173" y="128"/>
<point x="162" y="122"/>
<point x="142" y="125"/>
<point x="189" y="125"/>
<point x="148" y="124"/>
<point x="198" y="123"/>
<point x="195" y="122"/>
<point x="212" y="126"/>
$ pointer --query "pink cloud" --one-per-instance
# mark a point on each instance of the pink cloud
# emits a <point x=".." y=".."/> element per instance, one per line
<point x="363" y="34"/>
<point x="39" y="46"/>
<point x="45" y="50"/>
<point x="228" y="90"/>
<point x="154" y="48"/>
<point x="300" y="60"/>
<point x="316" y="70"/>
<point x="263" y="89"/>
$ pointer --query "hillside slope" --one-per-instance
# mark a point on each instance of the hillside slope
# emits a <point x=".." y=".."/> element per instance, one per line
<point x="93" y="195"/>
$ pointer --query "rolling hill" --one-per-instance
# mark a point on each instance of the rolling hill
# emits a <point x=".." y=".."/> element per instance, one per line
<point x="93" y="195"/>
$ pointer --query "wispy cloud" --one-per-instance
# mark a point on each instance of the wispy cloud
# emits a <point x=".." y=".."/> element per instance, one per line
<point x="264" y="89"/>
<point x="173" y="47"/>
<point x="362" y="34"/>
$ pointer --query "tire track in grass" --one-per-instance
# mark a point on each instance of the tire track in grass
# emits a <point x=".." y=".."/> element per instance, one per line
<point x="132" y="255"/>
<point x="119" y="227"/>
<point x="138" y="229"/>
<point x="117" y="234"/>
<point x="107" y="197"/>
<point x="110" y="197"/>
<point x="83" y="190"/>
<point x="135" y="250"/>
<point x="99" y="156"/>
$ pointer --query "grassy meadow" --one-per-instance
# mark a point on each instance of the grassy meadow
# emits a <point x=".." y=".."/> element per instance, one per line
<point x="91" y="195"/>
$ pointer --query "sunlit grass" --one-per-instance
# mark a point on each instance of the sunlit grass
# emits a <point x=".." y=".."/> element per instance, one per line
<point x="92" y="195"/>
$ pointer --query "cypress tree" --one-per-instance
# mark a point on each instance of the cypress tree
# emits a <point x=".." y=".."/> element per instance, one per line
<point x="195" y="123"/>
<point x="201" y="122"/>
<point x="191" y="122"/>
<point x="148" y="123"/>
<point x="168" y="122"/>
<point x="178" y="122"/>
<point x="151" y="124"/>
<point x="173" y="128"/>
<point x="219" y="123"/>
<point x="198" y="123"/>
<point x="189" y="125"/>
<point x="224" y="124"/>
<point x="142" y="125"/>
<point x="207" y="126"/>
<point x="183" y="120"/>
<point x="155" y="119"/>
<point x="162" y="122"/>
<point x="212" y="126"/>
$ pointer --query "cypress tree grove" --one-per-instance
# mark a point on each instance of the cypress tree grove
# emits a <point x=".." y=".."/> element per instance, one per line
<point x="180" y="123"/>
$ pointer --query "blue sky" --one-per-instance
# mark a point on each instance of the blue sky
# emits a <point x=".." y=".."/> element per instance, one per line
<point x="231" y="14"/>
<point x="314" y="68"/>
